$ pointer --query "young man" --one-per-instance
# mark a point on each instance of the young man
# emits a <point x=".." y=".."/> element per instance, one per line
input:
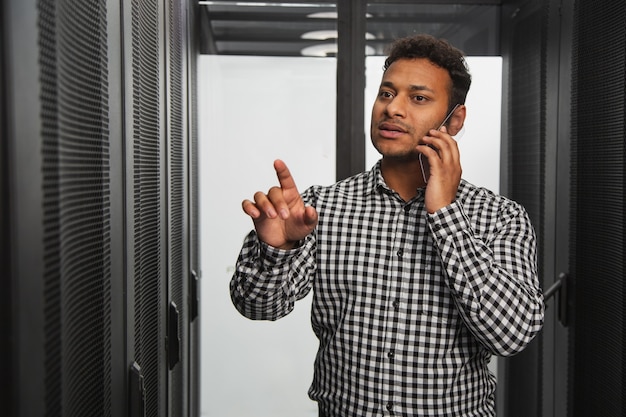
<point x="418" y="277"/>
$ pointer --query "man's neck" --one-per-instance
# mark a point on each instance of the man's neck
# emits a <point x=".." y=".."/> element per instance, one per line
<point x="403" y="176"/>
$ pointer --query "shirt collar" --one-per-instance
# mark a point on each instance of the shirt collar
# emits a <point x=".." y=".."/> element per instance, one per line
<point x="375" y="180"/>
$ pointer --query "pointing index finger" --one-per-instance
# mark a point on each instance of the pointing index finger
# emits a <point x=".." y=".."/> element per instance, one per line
<point x="284" y="176"/>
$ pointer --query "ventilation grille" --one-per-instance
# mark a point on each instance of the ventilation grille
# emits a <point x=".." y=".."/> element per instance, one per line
<point x="195" y="215"/>
<point x="74" y="129"/>
<point x="177" y="188"/>
<point x="597" y="200"/>
<point x="177" y="164"/>
<point x="51" y="181"/>
<point x="148" y="274"/>
<point x="527" y="105"/>
<point x="194" y="226"/>
<point x="7" y="298"/>
<point x="526" y="161"/>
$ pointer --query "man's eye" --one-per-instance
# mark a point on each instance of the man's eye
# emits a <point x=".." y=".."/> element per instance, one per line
<point x="419" y="98"/>
<point x="385" y="94"/>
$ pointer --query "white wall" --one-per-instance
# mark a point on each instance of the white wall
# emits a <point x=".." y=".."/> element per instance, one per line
<point x="253" y="110"/>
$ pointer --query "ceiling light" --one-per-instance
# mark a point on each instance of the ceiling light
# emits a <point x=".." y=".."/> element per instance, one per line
<point x="329" y="50"/>
<point x="322" y="35"/>
<point x="328" y="15"/>
<point x="266" y="4"/>
<point x="323" y="50"/>
<point x="322" y="15"/>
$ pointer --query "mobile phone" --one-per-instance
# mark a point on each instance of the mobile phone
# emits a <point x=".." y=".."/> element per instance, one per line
<point x="439" y="128"/>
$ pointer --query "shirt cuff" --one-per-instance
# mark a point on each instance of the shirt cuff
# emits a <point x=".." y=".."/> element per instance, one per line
<point x="448" y="221"/>
<point x="272" y="256"/>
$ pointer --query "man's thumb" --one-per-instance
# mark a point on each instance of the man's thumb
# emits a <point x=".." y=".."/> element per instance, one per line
<point x="310" y="215"/>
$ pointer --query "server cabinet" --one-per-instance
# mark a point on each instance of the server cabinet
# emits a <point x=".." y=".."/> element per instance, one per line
<point x="523" y="161"/>
<point x="97" y="208"/>
<point x="597" y="366"/>
<point x="565" y="144"/>
<point x="536" y="71"/>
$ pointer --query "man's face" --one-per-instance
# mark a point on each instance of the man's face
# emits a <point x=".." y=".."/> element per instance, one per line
<point x="412" y="99"/>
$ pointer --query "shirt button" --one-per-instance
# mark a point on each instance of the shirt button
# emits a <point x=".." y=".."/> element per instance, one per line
<point x="437" y="227"/>
<point x="407" y="208"/>
<point x="389" y="406"/>
<point x="390" y="355"/>
<point x="395" y="304"/>
<point x="400" y="252"/>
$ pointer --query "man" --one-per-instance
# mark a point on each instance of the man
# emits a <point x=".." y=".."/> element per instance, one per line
<point x="418" y="277"/>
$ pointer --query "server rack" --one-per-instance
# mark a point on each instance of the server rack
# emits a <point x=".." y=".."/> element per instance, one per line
<point x="564" y="141"/>
<point x="99" y="208"/>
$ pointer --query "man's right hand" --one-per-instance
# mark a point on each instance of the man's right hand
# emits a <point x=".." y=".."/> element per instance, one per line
<point x="280" y="217"/>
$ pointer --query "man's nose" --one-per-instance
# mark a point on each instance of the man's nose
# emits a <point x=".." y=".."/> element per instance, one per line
<point x="396" y="107"/>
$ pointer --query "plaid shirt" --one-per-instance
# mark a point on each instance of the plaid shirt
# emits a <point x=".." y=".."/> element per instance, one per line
<point x="408" y="306"/>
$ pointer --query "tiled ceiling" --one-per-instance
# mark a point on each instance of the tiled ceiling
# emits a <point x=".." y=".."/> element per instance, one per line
<point x="281" y="28"/>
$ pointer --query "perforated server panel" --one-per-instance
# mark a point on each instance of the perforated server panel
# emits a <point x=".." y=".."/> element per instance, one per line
<point x="566" y="157"/>
<point x="597" y="252"/>
<point x="98" y="207"/>
<point x="524" y="144"/>
<point x="6" y="296"/>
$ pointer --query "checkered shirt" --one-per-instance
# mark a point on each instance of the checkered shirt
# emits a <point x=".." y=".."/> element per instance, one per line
<point x="408" y="306"/>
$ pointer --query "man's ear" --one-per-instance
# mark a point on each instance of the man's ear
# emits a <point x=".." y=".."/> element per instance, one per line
<point x="455" y="124"/>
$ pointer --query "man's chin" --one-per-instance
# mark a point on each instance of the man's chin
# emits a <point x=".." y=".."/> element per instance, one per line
<point x="401" y="156"/>
<point x="392" y="149"/>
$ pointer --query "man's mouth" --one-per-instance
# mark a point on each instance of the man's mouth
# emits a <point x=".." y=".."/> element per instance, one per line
<point x="391" y="126"/>
<point x="390" y="130"/>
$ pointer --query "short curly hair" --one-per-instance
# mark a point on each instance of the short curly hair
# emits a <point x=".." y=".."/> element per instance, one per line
<point x="441" y="53"/>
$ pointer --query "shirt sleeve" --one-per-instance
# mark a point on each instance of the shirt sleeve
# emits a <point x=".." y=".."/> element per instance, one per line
<point x="268" y="281"/>
<point x="493" y="275"/>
